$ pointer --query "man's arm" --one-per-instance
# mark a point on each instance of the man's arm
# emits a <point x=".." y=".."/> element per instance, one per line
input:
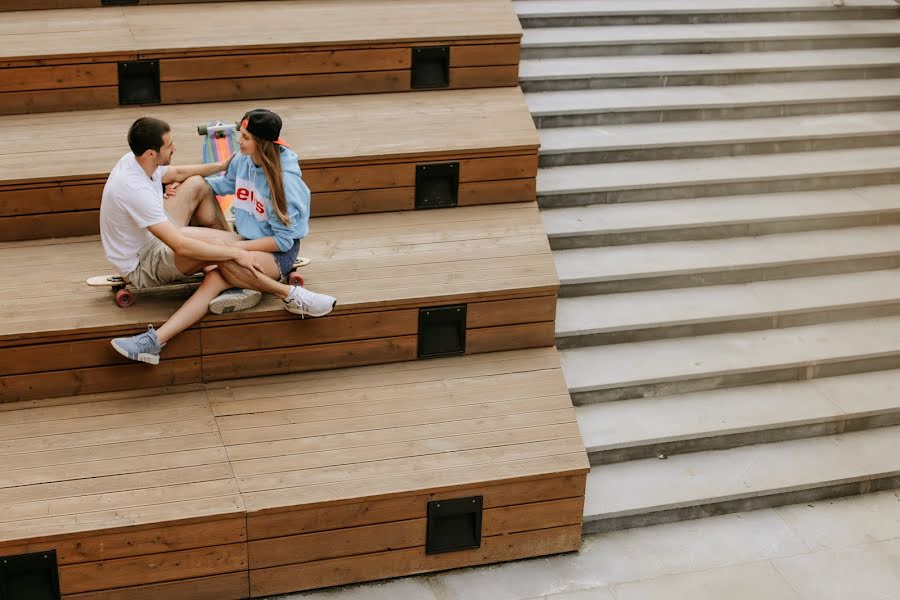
<point x="201" y="250"/>
<point x="179" y="174"/>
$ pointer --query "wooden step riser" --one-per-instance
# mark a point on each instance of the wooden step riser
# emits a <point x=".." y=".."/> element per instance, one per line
<point x="716" y="114"/>
<point x="618" y="82"/>
<point x="731" y="325"/>
<point x="688" y="150"/>
<point x="762" y="186"/>
<point x="601" y="525"/>
<point x="13" y="5"/>
<point x="835" y="368"/>
<point x="713" y="231"/>
<point x="71" y="208"/>
<point x="846" y="13"/>
<point x="647" y="49"/>
<point x="32" y="86"/>
<point x="761" y="436"/>
<point x="86" y="363"/>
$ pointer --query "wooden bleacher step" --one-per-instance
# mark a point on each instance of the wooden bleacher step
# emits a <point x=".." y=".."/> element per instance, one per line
<point x="493" y="262"/>
<point x="250" y="488"/>
<point x="358" y="153"/>
<point x="79" y="59"/>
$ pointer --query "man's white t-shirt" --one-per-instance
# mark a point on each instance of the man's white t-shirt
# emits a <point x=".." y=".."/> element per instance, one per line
<point x="131" y="203"/>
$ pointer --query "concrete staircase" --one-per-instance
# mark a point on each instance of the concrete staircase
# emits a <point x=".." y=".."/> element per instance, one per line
<point x="720" y="183"/>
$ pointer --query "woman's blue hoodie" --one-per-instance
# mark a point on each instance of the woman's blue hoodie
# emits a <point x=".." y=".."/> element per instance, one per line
<point x="254" y="215"/>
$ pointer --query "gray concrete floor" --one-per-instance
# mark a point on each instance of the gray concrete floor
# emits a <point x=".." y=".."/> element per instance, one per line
<point x="830" y="550"/>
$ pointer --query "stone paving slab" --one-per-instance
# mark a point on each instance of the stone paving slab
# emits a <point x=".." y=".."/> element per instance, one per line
<point x="681" y="359"/>
<point x="564" y="140"/>
<point x="610" y="313"/>
<point x="705" y="32"/>
<point x="713" y="96"/>
<point x="543" y="69"/>
<point x="615" y="7"/>
<point x="607" y="426"/>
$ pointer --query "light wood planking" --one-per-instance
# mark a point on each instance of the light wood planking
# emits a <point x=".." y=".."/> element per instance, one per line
<point x="135" y="508"/>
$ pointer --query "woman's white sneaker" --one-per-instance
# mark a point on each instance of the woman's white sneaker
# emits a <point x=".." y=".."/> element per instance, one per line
<point x="306" y="303"/>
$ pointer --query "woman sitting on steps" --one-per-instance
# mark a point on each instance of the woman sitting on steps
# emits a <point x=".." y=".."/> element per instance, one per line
<point x="271" y="211"/>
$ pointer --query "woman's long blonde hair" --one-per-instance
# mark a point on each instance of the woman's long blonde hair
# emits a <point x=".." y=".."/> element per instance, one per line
<point x="270" y="158"/>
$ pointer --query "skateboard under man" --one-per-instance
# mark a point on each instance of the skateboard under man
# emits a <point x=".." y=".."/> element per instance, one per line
<point x="124" y="294"/>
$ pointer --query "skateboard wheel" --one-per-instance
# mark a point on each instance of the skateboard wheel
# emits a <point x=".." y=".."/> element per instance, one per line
<point x="202" y="129"/>
<point x="295" y="279"/>
<point x="124" y="298"/>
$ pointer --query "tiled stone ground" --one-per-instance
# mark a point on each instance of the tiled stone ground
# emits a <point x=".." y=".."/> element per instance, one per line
<point x="831" y="550"/>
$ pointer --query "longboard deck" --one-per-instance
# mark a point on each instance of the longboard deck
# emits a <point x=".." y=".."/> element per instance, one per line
<point x="116" y="281"/>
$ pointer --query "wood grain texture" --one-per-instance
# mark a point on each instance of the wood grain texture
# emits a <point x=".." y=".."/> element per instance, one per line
<point x="149" y="492"/>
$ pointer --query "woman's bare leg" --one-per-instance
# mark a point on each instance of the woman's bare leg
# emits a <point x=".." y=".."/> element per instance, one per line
<point x="194" y="203"/>
<point x="268" y="283"/>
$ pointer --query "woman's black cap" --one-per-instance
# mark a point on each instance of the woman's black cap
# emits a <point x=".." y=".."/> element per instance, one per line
<point x="263" y="123"/>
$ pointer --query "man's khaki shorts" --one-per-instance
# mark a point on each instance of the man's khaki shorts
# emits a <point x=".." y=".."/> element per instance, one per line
<point x="156" y="267"/>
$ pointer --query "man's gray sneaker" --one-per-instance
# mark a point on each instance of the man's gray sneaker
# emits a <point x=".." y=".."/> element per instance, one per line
<point x="234" y="299"/>
<point x="306" y="303"/>
<point x="144" y="347"/>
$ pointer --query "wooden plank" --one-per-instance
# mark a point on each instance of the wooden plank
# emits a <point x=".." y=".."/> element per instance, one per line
<point x="50" y="199"/>
<point x="231" y="586"/>
<point x="397" y="434"/>
<point x="33" y="227"/>
<point x="59" y="77"/>
<point x="121" y="520"/>
<point x="338" y="406"/>
<point x="298" y="86"/>
<point x="404" y="174"/>
<point x="308" y="358"/>
<point x="510" y="337"/>
<point x="481" y="77"/>
<point x="60" y="356"/>
<point x="405" y="534"/>
<point x="15" y="103"/>
<point x="403" y="450"/>
<point x="363" y="201"/>
<point x="237" y="66"/>
<point x="271" y="405"/>
<point x="146" y="448"/>
<point x="441" y="480"/>
<point x="511" y="312"/>
<point x="296" y="333"/>
<point x="407" y="467"/>
<point x="138" y="541"/>
<point x="442" y="369"/>
<point x="352" y="513"/>
<point x="50" y="443"/>
<point x="496" y="192"/>
<point x="370" y="567"/>
<point x="16" y="388"/>
<point x="484" y="54"/>
<point x="405" y="419"/>
<point x="154" y="568"/>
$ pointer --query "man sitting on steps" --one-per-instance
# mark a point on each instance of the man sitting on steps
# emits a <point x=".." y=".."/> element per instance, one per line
<point x="147" y="239"/>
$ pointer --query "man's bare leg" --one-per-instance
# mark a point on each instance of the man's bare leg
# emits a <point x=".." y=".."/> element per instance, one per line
<point x="195" y="308"/>
<point x="194" y="203"/>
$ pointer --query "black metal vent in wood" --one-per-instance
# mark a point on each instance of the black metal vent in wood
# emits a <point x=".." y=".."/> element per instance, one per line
<point x="118" y="2"/>
<point x="454" y="525"/>
<point x="29" y="577"/>
<point x="139" y="82"/>
<point x="442" y="331"/>
<point x="437" y="185"/>
<point x="430" y="67"/>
